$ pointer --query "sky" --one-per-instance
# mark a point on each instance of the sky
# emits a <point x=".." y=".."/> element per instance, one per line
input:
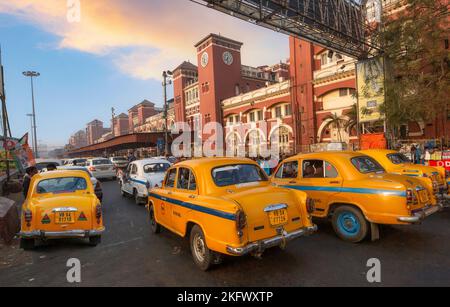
<point x="112" y="57"/>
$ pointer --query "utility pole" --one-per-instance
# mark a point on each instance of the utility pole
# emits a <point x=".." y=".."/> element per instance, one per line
<point x="166" y="75"/>
<point x="32" y="74"/>
<point x="5" y="122"/>
<point x="113" y="115"/>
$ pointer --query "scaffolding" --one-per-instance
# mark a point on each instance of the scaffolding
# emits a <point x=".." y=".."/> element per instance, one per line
<point x="338" y="25"/>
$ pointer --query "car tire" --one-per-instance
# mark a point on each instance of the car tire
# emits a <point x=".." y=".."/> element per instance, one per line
<point x="27" y="244"/>
<point x="203" y="257"/>
<point x="95" y="240"/>
<point x="350" y="224"/>
<point x="155" y="227"/>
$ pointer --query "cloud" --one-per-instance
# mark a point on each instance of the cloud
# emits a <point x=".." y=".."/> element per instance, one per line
<point x="144" y="37"/>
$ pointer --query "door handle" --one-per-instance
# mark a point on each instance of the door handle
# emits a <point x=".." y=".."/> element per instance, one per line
<point x="192" y="196"/>
<point x="293" y="181"/>
<point x="170" y="193"/>
<point x="335" y="182"/>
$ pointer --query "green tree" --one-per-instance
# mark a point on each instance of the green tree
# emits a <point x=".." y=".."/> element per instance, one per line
<point x="415" y="44"/>
<point x="337" y="122"/>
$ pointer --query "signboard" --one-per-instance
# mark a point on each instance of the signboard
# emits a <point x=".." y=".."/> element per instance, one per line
<point x="373" y="141"/>
<point x="370" y="86"/>
<point x="443" y="163"/>
<point x="22" y="153"/>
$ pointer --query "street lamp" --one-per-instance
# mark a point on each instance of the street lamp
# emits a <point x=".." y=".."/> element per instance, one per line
<point x="32" y="74"/>
<point x="166" y="74"/>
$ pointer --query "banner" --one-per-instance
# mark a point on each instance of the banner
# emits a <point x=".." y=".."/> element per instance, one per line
<point x="373" y="141"/>
<point x="370" y="86"/>
<point x="23" y="154"/>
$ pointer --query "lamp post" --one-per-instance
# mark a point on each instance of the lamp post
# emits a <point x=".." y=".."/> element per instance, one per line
<point x="32" y="74"/>
<point x="31" y="125"/>
<point x="166" y="74"/>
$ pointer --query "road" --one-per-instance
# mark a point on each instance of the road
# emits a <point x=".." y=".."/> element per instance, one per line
<point x="130" y="255"/>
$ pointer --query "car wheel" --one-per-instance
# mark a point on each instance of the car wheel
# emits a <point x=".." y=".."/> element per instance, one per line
<point x="27" y="244"/>
<point x="137" y="200"/>
<point x="94" y="241"/>
<point x="203" y="257"/>
<point x="156" y="228"/>
<point x="350" y="224"/>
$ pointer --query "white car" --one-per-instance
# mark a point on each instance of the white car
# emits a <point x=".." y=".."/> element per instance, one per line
<point x="42" y="164"/>
<point x="101" y="168"/>
<point x="141" y="176"/>
<point x="95" y="182"/>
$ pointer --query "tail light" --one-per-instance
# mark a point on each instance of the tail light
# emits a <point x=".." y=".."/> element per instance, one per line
<point x="98" y="213"/>
<point x="92" y="168"/>
<point x="241" y="222"/>
<point x="28" y="216"/>
<point x="310" y="205"/>
<point x="410" y="197"/>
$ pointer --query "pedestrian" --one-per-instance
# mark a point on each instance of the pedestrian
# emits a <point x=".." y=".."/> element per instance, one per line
<point x="131" y="157"/>
<point x="29" y="173"/>
<point x="413" y="154"/>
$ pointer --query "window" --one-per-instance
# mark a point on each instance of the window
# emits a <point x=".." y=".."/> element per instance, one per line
<point x="133" y="169"/>
<point x="237" y="90"/>
<point x="287" y="110"/>
<point x="330" y="171"/>
<point x="252" y="117"/>
<point x="186" y="180"/>
<point x="324" y="58"/>
<point x="237" y="174"/>
<point x="343" y="92"/>
<point x="61" y="185"/>
<point x="398" y="158"/>
<point x="260" y="115"/>
<point x="367" y="165"/>
<point x="170" y="178"/>
<point x="278" y="112"/>
<point x="288" y="170"/>
<point x="156" y="168"/>
<point x="313" y="169"/>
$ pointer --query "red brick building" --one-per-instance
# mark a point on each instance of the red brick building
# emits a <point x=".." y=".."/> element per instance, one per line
<point x="121" y="124"/>
<point x="139" y="113"/>
<point x="95" y="131"/>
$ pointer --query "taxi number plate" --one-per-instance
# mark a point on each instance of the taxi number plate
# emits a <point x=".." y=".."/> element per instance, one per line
<point x="65" y="217"/>
<point x="278" y="217"/>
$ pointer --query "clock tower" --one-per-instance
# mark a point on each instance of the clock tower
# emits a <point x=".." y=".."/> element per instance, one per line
<point x="219" y="75"/>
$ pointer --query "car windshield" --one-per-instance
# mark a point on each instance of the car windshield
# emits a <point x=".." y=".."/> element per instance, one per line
<point x="156" y="167"/>
<point x="101" y="162"/>
<point x="237" y="174"/>
<point x="367" y="165"/>
<point x="61" y="185"/>
<point x="398" y="158"/>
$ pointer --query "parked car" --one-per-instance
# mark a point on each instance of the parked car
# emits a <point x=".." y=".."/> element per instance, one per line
<point x="119" y="162"/>
<point x="227" y="206"/>
<point x="142" y="175"/>
<point x="355" y="192"/>
<point x="397" y="163"/>
<point x="95" y="182"/>
<point x="101" y="168"/>
<point x="61" y="204"/>
<point x="41" y="164"/>
<point x="77" y="162"/>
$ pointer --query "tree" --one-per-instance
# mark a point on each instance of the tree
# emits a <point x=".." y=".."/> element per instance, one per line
<point x="415" y="44"/>
<point x="336" y="121"/>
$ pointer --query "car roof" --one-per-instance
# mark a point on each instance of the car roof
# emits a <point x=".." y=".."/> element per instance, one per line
<point x="213" y="162"/>
<point x="61" y="173"/>
<point x="327" y="155"/>
<point x="148" y="161"/>
<point x="385" y="151"/>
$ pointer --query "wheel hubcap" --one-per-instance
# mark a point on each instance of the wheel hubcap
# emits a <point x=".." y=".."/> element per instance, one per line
<point x="348" y="224"/>
<point x="199" y="247"/>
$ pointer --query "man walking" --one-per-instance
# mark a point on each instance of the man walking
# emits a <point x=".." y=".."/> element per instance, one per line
<point x="29" y="173"/>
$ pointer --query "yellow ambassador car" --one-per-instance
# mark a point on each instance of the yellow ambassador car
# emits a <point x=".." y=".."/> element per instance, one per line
<point x="354" y="191"/>
<point x="61" y="204"/>
<point x="397" y="163"/>
<point x="227" y="206"/>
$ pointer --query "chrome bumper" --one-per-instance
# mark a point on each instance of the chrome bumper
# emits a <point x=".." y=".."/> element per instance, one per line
<point x="38" y="234"/>
<point x="419" y="216"/>
<point x="260" y="246"/>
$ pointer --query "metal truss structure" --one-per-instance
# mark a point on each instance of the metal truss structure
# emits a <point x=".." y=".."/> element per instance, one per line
<point x="338" y="25"/>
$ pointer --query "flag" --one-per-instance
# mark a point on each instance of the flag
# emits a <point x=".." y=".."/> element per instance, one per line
<point x="23" y="154"/>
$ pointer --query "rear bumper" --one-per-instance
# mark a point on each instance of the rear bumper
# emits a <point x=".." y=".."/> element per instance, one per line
<point x="38" y="234"/>
<point x="419" y="216"/>
<point x="260" y="246"/>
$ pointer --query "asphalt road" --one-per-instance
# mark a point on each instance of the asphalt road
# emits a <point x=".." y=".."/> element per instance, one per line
<point x="130" y="255"/>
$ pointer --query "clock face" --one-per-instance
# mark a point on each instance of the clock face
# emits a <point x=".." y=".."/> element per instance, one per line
<point x="204" y="59"/>
<point x="227" y="58"/>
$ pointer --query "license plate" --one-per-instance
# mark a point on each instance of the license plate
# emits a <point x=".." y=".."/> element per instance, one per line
<point x="423" y="196"/>
<point x="65" y="217"/>
<point x="278" y="217"/>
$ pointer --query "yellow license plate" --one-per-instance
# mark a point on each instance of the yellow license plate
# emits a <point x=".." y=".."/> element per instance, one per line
<point x="278" y="217"/>
<point x="65" y="218"/>
<point x="423" y="195"/>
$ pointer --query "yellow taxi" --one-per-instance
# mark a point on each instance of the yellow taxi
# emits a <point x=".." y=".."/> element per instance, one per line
<point x="397" y="163"/>
<point x="61" y="204"/>
<point x="354" y="191"/>
<point x="227" y="206"/>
